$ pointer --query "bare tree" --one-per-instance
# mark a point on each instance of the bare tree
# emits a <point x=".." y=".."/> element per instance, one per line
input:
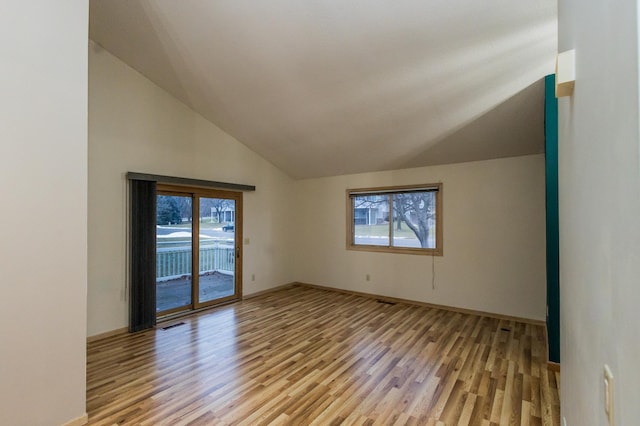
<point x="419" y="206"/>
<point x="369" y="201"/>
<point x="219" y="206"/>
<point x="416" y="209"/>
<point x="186" y="211"/>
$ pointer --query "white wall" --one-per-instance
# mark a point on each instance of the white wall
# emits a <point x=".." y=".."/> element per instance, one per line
<point x="599" y="175"/>
<point x="43" y="244"/>
<point x="494" y="234"/>
<point x="494" y="238"/>
<point x="136" y="126"/>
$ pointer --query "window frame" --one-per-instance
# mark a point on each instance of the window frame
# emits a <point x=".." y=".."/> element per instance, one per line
<point x="389" y="190"/>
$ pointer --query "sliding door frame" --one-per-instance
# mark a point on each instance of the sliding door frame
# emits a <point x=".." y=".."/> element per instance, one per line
<point x="196" y="193"/>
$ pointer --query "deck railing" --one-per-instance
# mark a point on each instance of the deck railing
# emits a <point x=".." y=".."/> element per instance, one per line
<point x="176" y="262"/>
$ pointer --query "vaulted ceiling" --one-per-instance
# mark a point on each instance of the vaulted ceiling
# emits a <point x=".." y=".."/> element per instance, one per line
<point x="329" y="87"/>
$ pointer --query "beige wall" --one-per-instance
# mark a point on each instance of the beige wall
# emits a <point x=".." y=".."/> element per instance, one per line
<point x="494" y="238"/>
<point x="494" y="231"/>
<point x="494" y="211"/>
<point x="43" y="247"/>
<point x="599" y="171"/>
<point x="136" y="126"/>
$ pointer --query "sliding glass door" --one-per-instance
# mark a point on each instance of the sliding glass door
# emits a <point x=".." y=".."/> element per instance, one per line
<point x="197" y="230"/>
<point x="217" y="249"/>
<point x="174" y="252"/>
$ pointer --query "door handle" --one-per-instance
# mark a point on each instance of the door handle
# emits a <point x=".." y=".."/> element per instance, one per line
<point x="237" y="252"/>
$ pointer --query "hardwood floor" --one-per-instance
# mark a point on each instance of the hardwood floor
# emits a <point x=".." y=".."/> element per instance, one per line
<point x="306" y="356"/>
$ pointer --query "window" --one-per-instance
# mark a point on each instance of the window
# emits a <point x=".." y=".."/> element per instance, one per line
<point x="399" y="219"/>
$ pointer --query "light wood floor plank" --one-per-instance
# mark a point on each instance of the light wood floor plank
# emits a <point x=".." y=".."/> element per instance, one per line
<point x="308" y="356"/>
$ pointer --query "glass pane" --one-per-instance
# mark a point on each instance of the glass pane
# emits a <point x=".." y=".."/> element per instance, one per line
<point x="414" y="215"/>
<point x="371" y="220"/>
<point x="217" y="248"/>
<point x="173" y="253"/>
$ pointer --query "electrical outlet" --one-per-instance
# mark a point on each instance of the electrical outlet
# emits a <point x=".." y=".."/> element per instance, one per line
<point x="367" y="277"/>
<point x="253" y="277"/>
<point x="608" y="393"/>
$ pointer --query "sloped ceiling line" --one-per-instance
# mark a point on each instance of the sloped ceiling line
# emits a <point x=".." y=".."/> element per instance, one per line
<point x="327" y="87"/>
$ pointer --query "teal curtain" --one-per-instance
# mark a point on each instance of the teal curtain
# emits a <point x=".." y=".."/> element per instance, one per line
<point x="553" y="245"/>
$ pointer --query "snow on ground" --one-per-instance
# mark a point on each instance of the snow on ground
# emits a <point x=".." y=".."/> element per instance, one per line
<point x="182" y="234"/>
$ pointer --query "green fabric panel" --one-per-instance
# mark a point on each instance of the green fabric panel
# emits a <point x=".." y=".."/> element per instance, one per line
<point x="553" y="246"/>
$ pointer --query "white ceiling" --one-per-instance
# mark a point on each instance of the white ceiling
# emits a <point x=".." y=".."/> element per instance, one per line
<point x="329" y="87"/>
